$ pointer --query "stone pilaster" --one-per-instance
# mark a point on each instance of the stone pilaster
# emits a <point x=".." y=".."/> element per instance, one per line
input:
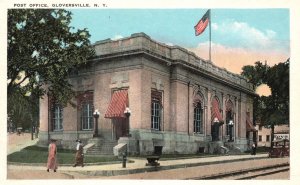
<point x="208" y="123"/>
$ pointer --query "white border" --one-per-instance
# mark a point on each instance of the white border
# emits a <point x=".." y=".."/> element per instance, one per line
<point x="294" y="74"/>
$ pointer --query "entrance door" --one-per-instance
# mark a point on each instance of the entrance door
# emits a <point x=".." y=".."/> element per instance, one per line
<point x="229" y="124"/>
<point x="120" y="128"/>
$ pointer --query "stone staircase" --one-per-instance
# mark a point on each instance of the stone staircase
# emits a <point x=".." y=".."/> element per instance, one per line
<point x="215" y="147"/>
<point x="101" y="147"/>
<point x="233" y="150"/>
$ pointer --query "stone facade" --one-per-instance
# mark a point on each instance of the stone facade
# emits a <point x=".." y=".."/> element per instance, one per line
<point x="141" y="65"/>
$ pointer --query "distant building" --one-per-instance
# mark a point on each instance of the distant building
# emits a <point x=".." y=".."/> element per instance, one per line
<point x="264" y="134"/>
<point x="177" y="100"/>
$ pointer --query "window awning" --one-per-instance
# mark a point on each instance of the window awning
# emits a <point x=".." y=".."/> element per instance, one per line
<point x="215" y="113"/>
<point x="249" y="125"/>
<point x="229" y="106"/>
<point x="117" y="105"/>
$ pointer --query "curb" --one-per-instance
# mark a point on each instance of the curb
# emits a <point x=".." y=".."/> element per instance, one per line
<point x="157" y="168"/>
<point x="66" y="165"/>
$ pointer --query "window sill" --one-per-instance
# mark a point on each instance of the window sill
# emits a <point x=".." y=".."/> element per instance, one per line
<point x="156" y="131"/>
<point x="57" y="130"/>
<point x="198" y="134"/>
<point x="85" y="130"/>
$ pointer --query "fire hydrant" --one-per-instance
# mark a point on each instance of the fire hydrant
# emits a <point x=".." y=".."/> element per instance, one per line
<point x="124" y="158"/>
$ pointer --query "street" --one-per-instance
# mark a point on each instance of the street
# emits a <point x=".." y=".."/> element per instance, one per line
<point x="39" y="172"/>
<point x="201" y="171"/>
<point x="173" y="174"/>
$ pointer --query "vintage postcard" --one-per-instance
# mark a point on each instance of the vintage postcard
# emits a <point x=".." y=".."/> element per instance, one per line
<point x="133" y="90"/>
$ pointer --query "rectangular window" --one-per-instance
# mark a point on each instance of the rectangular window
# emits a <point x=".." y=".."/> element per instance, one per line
<point x="156" y="110"/>
<point x="85" y="109"/>
<point x="268" y="138"/>
<point x="87" y="116"/>
<point x="259" y="138"/>
<point x="57" y="117"/>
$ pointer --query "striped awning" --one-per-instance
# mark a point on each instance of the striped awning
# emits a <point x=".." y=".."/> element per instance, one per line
<point x="229" y="106"/>
<point x="215" y="113"/>
<point x="117" y="105"/>
<point x="249" y="124"/>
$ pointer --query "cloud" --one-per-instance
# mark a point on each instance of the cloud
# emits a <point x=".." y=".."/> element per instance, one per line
<point x="214" y="26"/>
<point x="117" y="37"/>
<point x="169" y="44"/>
<point x="243" y="35"/>
<point x="263" y="90"/>
<point x="239" y="44"/>
<point x="234" y="58"/>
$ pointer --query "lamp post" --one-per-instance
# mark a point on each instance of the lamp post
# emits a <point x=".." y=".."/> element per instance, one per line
<point x="96" y="116"/>
<point x="127" y="113"/>
<point x="230" y="129"/>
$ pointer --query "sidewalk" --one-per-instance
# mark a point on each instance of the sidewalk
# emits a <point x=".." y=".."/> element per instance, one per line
<point x="16" y="142"/>
<point x="138" y="165"/>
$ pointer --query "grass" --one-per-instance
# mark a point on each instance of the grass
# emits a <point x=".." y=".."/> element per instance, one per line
<point x="35" y="154"/>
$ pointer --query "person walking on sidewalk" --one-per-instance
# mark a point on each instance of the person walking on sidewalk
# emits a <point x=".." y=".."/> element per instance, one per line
<point x="52" y="151"/>
<point x="253" y="148"/>
<point x="79" y="154"/>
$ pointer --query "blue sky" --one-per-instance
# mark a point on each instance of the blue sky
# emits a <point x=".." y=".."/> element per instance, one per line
<point x="176" y="25"/>
<point x="233" y="30"/>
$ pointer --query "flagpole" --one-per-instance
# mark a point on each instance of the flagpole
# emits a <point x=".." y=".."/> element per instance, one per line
<point x="209" y="35"/>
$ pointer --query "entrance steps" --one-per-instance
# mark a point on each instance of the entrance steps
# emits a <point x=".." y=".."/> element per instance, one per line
<point x="215" y="147"/>
<point x="220" y="147"/>
<point x="99" y="146"/>
<point x="233" y="150"/>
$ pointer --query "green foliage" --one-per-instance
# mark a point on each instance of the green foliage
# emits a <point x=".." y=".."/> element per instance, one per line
<point x="274" y="109"/>
<point x="22" y="111"/>
<point x="42" y="49"/>
<point x="256" y="74"/>
<point x="35" y="154"/>
<point x="278" y="80"/>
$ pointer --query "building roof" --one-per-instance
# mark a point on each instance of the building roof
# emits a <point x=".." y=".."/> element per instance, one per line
<point x="173" y="55"/>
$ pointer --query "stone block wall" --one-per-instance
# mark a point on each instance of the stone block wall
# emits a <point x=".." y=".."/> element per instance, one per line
<point x="141" y="64"/>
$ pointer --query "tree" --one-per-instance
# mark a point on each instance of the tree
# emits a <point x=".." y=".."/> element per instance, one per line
<point x="274" y="109"/>
<point x="256" y="74"/>
<point x="20" y="114"/>
<point x="42" y="49"/>
<point x="278" y="80"/>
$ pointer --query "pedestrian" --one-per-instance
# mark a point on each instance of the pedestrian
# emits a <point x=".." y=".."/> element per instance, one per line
<point x="52" y="151"/>
<point x="79" y="154"/>
<point x="254" y="148"/>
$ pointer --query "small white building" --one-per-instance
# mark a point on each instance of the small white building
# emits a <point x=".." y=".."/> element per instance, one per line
<point x="264" y="134"/>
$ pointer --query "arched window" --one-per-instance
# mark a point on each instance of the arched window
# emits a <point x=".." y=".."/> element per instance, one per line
<point x="229" y="117"/>
<point x="198" y="115"/>
<point x="216" y="118"/>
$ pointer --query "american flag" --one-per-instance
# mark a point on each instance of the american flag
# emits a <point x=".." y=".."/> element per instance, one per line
<point x="202" y="24"/>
